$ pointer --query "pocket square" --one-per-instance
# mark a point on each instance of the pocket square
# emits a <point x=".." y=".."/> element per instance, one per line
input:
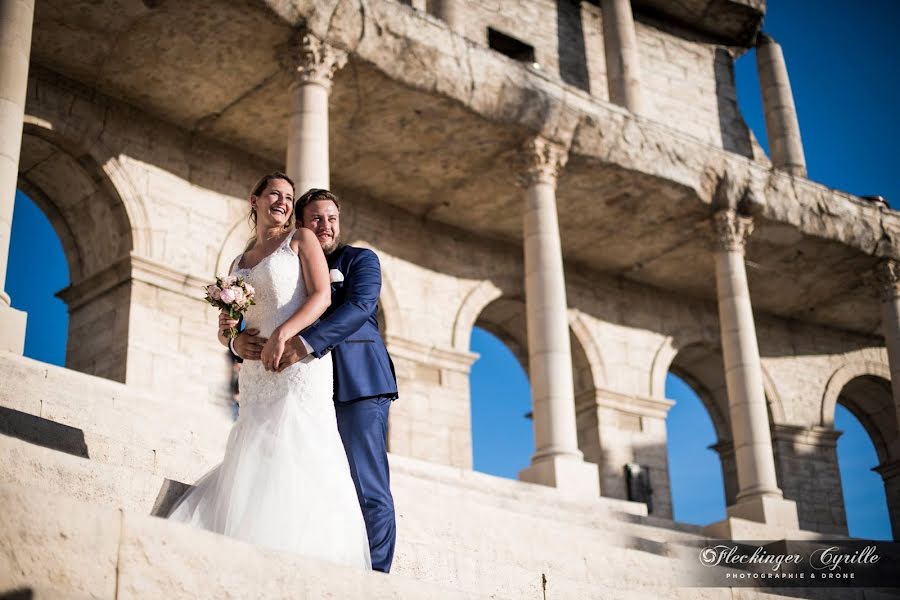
<point x="336" y="276"/>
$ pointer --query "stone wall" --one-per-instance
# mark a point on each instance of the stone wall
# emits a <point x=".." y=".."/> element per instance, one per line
<point x="688" y="82"/>
<point x="140" y="257"/>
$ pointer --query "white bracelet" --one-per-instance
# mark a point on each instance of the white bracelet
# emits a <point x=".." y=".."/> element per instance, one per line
<point x="231" y="346"/>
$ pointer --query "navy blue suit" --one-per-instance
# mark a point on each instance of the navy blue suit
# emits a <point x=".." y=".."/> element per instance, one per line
<point x="364" y="386"/>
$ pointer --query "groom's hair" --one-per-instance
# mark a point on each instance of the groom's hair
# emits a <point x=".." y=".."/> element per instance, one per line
<point x="314" y="195"/>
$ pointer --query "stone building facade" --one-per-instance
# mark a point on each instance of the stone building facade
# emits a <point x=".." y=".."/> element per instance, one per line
<point x="574" y="177"/>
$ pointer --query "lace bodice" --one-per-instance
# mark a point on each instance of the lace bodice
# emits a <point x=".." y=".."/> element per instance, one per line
<point x="280" y="289"/>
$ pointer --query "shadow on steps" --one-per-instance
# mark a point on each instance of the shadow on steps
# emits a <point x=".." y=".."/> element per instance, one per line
<point x="42" y="432"/>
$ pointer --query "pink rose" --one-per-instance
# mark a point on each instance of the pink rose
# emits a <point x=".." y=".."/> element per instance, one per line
<point x="227" y="296"/>
<point x="212" y="291"/>
<point x="249" y="289"/>
<point x="238" y="295"/>
<point x="228" y="281"/>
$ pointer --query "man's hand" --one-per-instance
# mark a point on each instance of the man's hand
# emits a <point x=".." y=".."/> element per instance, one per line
<point x="248" y="345"/>
<point x="294" y="351"/>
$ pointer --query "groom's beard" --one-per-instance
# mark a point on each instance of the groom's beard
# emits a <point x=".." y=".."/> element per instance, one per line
<point x="331" y="246"/>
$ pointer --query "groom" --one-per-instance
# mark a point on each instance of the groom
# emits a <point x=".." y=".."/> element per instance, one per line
<point x="364" y="380"/>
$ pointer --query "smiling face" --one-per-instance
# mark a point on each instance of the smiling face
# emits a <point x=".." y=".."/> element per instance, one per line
<point x="323" y="218"/>
<point x="275" y="204"/>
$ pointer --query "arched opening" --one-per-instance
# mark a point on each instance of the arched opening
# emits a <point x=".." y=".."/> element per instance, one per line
<point x="702" y="469"/>
<point x="35" y="248"/>
<point x="695" y="471"/>
<point x="501" y="409"/>
<point x="502" y="440"/>
<point x="502" y="433"/>
<point x="92" y="223"/>
<point x="866" y="415"/>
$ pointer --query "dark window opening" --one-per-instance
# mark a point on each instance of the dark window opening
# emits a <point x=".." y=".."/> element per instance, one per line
<point x="510" y="46"/>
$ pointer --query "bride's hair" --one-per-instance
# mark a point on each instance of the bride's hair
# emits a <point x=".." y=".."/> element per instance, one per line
<point x="258" y="189"/>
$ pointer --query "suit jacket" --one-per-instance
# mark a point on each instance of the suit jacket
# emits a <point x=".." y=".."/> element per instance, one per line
<point x="349" y="329"/>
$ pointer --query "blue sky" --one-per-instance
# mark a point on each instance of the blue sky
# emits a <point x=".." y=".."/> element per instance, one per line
<point x="842" y="60"/>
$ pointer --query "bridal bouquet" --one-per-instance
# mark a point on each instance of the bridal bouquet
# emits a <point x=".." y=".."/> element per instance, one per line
<point x="233" y="295"/>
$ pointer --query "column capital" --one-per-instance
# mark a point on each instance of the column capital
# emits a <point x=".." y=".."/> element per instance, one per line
<point x="887" y="278"/>
<point x="316" y="61"/>
<point x="540" y="162"/>
<point x="731" y="230"/>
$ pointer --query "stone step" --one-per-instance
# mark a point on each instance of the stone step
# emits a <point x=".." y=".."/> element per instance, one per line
<point x="112" y="423"/>
<point x="468" y="531"/>
<point x="54" y="546"/>
<point x="433" y="523"/>
<point x="61" y="547"/>
<point x="58" y="472"/>
<point x="462" y="487"/>
<point x="109" y="421"/>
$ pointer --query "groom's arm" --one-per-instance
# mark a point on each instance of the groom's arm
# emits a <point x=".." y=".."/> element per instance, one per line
<point x="363" y="286"/>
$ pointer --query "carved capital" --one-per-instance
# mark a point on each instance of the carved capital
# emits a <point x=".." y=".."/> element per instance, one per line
<point x="731" y="230"/>
<point x="887" y="278"/>
<point x="316" y="61"/>
<point x="540" y="162"/>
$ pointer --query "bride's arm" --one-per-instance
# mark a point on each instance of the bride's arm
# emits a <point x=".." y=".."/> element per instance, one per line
<point x="314" y="269"/>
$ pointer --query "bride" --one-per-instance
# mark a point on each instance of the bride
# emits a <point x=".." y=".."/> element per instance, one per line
<point x="284" y="482"/>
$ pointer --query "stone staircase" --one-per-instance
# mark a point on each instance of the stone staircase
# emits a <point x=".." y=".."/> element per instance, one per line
<point x="85" y="462"/>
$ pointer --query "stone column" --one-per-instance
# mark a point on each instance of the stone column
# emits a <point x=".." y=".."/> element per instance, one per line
<point x="623" y="71"/>
<point x="887" y="274"/>
<point x="725" y="450"/>
<point x="758" y="498"/>
<point x="782" y="127"/>
<point x="307" y="150"/>
<point x="557" y="461"/>
<point x="451" y="11"/>
<point x="890" y="474"/>
<point x="16" y="17"/>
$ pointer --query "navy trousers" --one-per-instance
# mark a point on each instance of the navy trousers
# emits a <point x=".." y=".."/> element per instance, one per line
<point x="363" y="428"/>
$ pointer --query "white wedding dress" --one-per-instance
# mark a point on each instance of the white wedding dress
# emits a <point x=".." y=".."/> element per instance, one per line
<point x="284" y="482"/>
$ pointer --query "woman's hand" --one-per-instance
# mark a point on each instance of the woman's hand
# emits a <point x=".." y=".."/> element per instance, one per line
<point x="272" y="351"/>
<point x="226" y="323"/>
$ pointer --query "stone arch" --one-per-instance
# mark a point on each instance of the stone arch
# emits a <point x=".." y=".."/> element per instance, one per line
<point x="472" y="305"/>
<point x="773" y="399"/>
<point x="864" y="388"/>
<point x="45" y="144"/>
<point x="662" y="362"/>
<point x="840" y="378"/>
<point x="698" y="362"/>
<point x="101" y="221"/>
<point x="504" y="317"/>
<point x="584" y="344"/>
<point x="663" y="358"/>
